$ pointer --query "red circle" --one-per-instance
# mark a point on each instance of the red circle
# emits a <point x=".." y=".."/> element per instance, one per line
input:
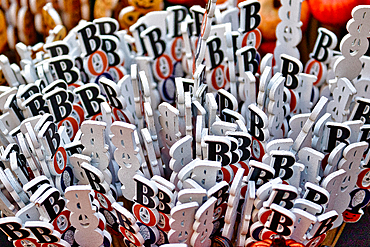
<point x="158" y="70"/>
<point x="266" y="234"/>
<point x="90" y="63"/>
<point x="113" y="71"/>
<point x="166" y="220"/>
<point x="243" y="190"/>
<point x="70" y="122"/>
<point x="130" y="236"/>
<point x="56" y="166"/>
<point x="264" y="216"/>
<point x="309" y="66"/>
<point x="219" y="211"/>
<point x="109" y="203"/>
<point x="173" y="49"/>
<point x="152" y="218"/>
<point x="261" y="148"/>
<point x="52" y="245"/>
<point x="235" y="168"/>
<point x="227" y="173"/>
<point x="120" y="115"/>
<point x="361" y="178"/>
<point x="213" y="77"/>
<point x="98" y="117"/>
<point x="258" y="35"/>
<point x="245" y="167"/>
<point x="65" y="213"/>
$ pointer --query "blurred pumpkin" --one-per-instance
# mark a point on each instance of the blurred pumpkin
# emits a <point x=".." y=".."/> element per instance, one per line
<point x="104" y="8"/>
<point x="270" y="17"/>
<point x="267" y="47"/>
<point x="333" y="12"/>
<point x="189" y="3"/>
<point x="130" y="14"/>
<point x="3" y="35"/>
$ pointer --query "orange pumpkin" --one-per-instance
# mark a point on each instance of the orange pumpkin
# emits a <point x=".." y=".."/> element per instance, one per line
<point x="188" y="3"/>
<point x="333" y="12"/>
<point x="3" y="37"/>
<point x="270" y="17"/>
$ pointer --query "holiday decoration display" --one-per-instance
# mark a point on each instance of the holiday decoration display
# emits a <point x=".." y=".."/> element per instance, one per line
<point x="175" y="132"/>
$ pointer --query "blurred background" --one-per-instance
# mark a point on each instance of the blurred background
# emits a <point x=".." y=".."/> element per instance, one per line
<point x="30" y="21"/>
